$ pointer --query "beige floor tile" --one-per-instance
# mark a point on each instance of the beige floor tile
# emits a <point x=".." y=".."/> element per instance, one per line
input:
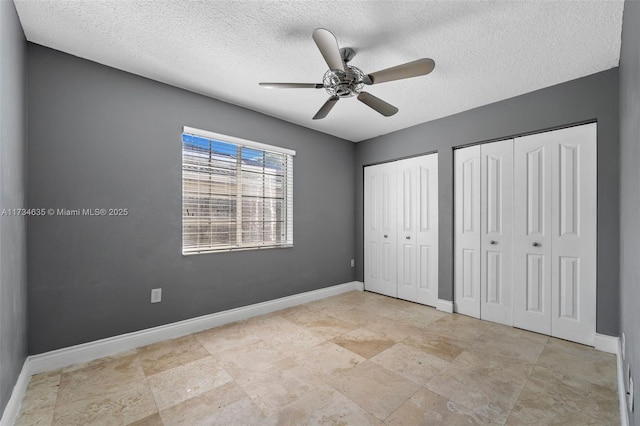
<point x="512" y="343"/>
<point x="428" y="408"/>
<point x="105" y="374"/>
<point x="39" y="418"/>
<point x="324" y="406"/>
<point x="444" y="347"/>
<point x="174" y="386"/>
<point x="417" y="315"/>
<point x="490" y="394"/>
<point x="393" y="329"/>
<point x="551" y="397"/>
<point x="230" y="336"/>
<point x="383" y="305"/>
<point x="277" y="330"/>
<point x="171" y="353"/>
<point x="374" y="388"/>
<point x="320" y="324"/>
<point x="489" y="363"/>
<point x="99" y="361"/>
<point x="517" y="333"/>
<point x="578" y="350"/>
<point x="364" y="342"/>
<point x="537" y="416"/>
<point x="40" y="399"/>
<point x="355" y="315"/>
<point x="274" y="389"/>
<point x="295" y="314"/>
<point x="258" y="357"/>
<point x="351" y="298"/>
<point x="225" y="405"/>
<point x="462" y="328"/>
<point x="580" y="361"/>
<point x="114" y="391"/>
<point x="152" y="420"/>
<point x="410" y="362"/>
<point x="328" y="360"/>
<point x="113" y="407"/>
<point x="348" y="313"/>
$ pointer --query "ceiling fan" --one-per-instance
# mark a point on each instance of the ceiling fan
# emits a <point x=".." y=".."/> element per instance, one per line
<point x="344" y="81"/>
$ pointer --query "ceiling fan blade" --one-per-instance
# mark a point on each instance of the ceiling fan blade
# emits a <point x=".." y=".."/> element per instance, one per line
<point x="322" y="112"/>
<point x="291" y="85"/>
<point x="410" y="69"/>
<point x="378" y="104"/>
<point x="328" y="46"/>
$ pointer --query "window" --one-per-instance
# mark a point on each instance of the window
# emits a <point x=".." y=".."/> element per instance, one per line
<point x="236" y="194"/>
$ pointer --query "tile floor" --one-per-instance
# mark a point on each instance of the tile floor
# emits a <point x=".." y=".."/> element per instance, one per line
<point x="353" y="359"/>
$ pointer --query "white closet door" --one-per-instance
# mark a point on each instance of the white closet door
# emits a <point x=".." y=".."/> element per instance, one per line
<point x="407" y="184"/>
<point x="532" y="233"/>
<point x="401" y="229"/>
<point x="389" y="232"/>
<point x="467" y="231"/>
<point x="573" y="272"/>
<point x="417" y="197"/>
<point x="380" y="229"/>
<point x="379" y="234"/>
<point x="496" y="214"/>
<point x="427" y="229"/>
<point x="372" y="227"/>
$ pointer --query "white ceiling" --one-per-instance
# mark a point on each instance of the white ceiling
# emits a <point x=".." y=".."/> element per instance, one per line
<point x="484" y="51"/>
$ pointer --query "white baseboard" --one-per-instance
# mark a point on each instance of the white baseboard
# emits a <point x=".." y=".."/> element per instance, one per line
<point x="112" y="345"/>
<point x="11" y="411"/>
<point x="605" y="343"/>
<point x="612" y="345"/>
<point x="359" y="285"/>
<point x="622" y="391"/>
<point x="444" y="306"/>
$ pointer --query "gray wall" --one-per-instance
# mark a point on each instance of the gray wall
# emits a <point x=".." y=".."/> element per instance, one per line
<point x="593" y="97"/>
<point x="13" y="275"/>
<point x="103" y="138"/>
<point x="630" y="194"/>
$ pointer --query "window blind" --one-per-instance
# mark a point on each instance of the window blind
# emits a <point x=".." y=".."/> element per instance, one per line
<point x="236" y="194"/>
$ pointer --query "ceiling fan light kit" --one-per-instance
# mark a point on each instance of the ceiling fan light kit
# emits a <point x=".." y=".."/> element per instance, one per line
<point x="344" y="81"/>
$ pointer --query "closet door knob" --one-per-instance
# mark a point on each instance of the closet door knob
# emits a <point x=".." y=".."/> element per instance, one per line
<point x="385" y="235"/>
<point x="493" y="243"/>
<point x="536" y="244"/>
<point x="408" y="237"/>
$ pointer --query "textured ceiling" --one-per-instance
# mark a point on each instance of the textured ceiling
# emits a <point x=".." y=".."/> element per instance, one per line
<point x="484" y="51"/>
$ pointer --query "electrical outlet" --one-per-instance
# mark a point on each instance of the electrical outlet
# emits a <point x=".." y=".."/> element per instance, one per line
<point x="353" y="263"/>
<point x="623" y="344"/>
<point x="156" y="295"/>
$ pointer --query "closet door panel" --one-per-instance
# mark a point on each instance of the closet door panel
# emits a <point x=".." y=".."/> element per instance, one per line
<point x="467" y="231"/>
<point x="427" y="229"/>
<point x="407" y="225"/>
<point x="372" y="227"/>
<point x="574" y="234"/>
<point x="496" y="229"/>
<point x="380" y="229"/>
<point x="532" y="233"/>
<point x="388" y="282"/>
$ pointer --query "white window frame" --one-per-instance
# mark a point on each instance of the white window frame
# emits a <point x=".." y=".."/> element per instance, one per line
<point x="287" y="196"/>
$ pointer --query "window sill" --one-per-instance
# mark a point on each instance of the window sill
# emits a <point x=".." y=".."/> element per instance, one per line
<point x="230" y="250"/>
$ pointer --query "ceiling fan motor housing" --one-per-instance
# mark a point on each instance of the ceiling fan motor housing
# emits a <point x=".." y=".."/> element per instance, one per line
<point x="345" y="83"/>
